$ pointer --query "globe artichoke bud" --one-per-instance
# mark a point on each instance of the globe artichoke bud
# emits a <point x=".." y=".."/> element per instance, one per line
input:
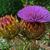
<point x="8" y="26"/>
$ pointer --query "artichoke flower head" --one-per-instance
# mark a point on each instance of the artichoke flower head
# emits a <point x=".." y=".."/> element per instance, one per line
<point x="33" y="19"/>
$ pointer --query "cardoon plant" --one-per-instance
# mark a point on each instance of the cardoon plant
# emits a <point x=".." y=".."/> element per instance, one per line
<point x="33" y="19"/>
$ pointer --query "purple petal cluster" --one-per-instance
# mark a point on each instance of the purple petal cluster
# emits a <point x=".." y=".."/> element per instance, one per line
<point x="34" y="14"/>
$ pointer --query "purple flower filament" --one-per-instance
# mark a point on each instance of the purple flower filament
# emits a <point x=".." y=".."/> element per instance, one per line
<point x="34" y="14"/>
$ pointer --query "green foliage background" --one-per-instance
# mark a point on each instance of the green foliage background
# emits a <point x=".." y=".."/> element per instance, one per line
<point x="45" y="3"/>
<point x="9" y="6"/>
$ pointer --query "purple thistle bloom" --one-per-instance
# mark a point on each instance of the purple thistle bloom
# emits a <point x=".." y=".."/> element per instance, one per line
<point x="34" y="14"/>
